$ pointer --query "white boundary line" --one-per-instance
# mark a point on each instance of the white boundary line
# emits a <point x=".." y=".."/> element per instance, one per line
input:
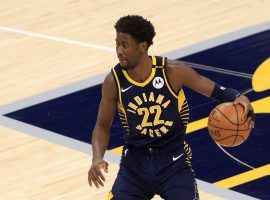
<point x="214" y="42"/>
<point x="54" y="137"/>
<point x="234" y="158"/>
<point x="56" y="39"/>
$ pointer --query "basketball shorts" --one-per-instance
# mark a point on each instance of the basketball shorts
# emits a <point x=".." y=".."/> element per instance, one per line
<point x="145" y="172"/>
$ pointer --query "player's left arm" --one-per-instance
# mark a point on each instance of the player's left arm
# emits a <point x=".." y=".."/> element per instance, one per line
<point x="184" y="75"/>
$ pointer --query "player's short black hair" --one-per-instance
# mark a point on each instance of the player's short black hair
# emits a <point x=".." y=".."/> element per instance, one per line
<point x="139" y="28"/>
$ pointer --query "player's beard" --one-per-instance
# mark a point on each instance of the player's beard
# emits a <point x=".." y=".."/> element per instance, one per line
<point x="129" y="64"/>
<point x="126" y="66"/>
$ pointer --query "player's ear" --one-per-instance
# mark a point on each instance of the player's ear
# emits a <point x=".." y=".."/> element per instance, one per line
<point x="143" y="47"/>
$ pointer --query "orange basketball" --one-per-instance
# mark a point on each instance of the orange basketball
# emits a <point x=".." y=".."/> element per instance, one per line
<point x="226" y="126"/>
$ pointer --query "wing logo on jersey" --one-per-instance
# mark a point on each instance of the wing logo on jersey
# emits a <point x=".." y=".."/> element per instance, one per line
<point x="151" y="123"/>
<point x="158" y="82"/>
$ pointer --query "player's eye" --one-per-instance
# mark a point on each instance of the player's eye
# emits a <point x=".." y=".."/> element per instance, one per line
<point x="125" y="45"/>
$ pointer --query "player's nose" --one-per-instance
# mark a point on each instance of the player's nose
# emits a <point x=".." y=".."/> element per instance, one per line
<point x="119" y="51"/>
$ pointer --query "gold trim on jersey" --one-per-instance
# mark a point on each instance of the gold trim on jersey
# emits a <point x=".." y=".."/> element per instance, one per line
<point x="138" y="83"/>
<point x="121" y="110"/>
<point x="154" y="60"/>
<point x="118" y="85"/>
<point x="183" y="107"/>
<point x="167" y="83"/>
<point x="181" y="99"/>
<point x="153" y="72"/>
<point x="163" y="61"/>
<point x="188" y="151"/>
<point x="110" y="196"/>
<point x="123" y="117"/>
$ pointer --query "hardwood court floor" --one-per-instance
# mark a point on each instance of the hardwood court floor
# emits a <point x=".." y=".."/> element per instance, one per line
<point x="49" y="44"/>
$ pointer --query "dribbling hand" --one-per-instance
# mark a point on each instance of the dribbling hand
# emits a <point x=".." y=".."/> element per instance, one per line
<point x="248" y="114"/>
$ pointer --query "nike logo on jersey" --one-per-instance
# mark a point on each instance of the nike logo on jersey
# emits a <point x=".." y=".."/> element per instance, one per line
<point x="176" y="158"/>
<point x="124" y="90"/>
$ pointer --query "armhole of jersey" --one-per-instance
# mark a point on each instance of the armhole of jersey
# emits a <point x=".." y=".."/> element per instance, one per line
<point x="181" y="99"/>
<point x="166" y="79"/>
<point x="121" y="111"/>
<point x="116" y="79"/>
<point x="183" y="107"/>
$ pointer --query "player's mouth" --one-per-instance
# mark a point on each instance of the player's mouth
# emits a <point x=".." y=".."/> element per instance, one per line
<point x="122" y="60"/>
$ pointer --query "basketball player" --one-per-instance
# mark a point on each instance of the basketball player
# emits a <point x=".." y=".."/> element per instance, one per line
<point x="147" y="91"/>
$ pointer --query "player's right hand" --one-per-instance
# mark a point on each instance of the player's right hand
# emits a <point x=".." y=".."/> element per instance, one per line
<point x="95" y="175"/>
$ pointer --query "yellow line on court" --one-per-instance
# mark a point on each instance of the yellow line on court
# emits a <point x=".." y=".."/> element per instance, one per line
<point x="197" y="125"/>
<point x="244" y="177"/>
<point x="260" y="80"/>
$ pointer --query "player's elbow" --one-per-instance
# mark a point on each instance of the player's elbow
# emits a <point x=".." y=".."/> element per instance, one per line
<point x="101" y="129"/>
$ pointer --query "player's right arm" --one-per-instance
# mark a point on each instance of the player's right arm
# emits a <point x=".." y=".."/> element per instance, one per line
<point x="101" y="133"/>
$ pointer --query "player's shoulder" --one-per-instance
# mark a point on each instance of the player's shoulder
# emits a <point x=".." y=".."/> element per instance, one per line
<point x="176" y="67"/>
<point x="177" y="72"/>
<point x="109" y="79"/>
<point x="109" y="83"/>
<point x="175" y="64"/>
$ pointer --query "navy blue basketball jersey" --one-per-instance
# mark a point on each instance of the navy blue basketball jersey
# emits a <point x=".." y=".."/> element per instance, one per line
<point x="152" y="114"/>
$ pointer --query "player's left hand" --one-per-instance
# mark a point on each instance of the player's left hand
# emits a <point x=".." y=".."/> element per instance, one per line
<point x="248" y="114"/>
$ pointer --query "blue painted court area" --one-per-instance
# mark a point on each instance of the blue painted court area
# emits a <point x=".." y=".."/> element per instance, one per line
<point x="74" y="115"/>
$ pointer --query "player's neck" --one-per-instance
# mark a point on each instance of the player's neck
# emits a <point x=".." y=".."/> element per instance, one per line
<point x="143" y="69"/>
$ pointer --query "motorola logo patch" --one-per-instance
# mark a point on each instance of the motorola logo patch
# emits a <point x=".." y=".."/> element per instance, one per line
<point x="158" y="82"/>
